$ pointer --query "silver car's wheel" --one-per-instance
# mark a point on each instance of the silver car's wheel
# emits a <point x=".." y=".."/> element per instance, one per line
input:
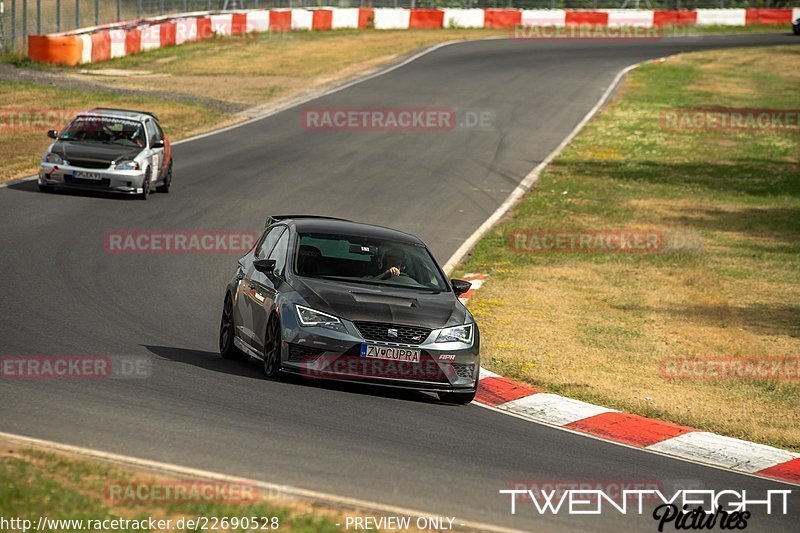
<point x="145" y="186"/>
<point x="272" y="348"/>
<point x="167" y="181"/>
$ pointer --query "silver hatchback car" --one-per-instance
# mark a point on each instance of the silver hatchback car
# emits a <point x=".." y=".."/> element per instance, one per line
<point x="114" y="150"/>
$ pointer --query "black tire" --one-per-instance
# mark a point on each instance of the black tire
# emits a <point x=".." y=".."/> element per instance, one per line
<point x="167" y="181"/>
<point x="145" y="186"/>
<point x="460" y="398"/>
<point x="272" y="348"/>
<point x="796" y="29"/>
<point x="227" y="349"/>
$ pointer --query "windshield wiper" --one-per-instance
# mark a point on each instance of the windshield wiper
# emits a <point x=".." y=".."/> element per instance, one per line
<point x="349" y="280"/>
<point x="377" y="283"/>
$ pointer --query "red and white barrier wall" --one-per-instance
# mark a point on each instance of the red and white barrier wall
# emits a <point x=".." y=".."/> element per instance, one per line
<point x="100" y="43"/>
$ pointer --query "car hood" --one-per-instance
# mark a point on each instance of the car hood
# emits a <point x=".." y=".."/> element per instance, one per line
<point x="355" y="301"/>
<point x="94" y="151"/>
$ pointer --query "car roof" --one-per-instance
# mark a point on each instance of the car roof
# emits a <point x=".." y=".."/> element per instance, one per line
<point x="314" y="224"/>
<point x="120" y="113"/>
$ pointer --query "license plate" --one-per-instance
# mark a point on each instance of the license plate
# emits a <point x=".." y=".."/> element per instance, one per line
<point x="390" y="353"/>
<point x="87" y="175"/>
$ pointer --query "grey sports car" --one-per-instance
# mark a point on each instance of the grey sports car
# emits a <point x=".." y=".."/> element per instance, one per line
<point x="113" y="150"/>
<point x="334" y="299"/>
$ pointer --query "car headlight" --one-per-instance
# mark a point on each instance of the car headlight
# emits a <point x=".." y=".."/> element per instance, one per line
<point x="54" y="159"/>
<point x="311" y="317"/>
<point x="456" y="334"/>
<point x="127" y="165"/>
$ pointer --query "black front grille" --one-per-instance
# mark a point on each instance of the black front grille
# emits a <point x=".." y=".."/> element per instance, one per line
<point x="89" y="163"/>
<point x="300" y="353"/>
<point x="380" y="331"/>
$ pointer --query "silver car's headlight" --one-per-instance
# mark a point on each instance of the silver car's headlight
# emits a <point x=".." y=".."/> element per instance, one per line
<point x="456" y="334"/>
<point x="54" y="159"/>
<point x="127" y="165"/>
<point x="311" y="317"/>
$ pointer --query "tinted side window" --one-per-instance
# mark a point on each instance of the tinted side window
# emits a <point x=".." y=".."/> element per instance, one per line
<point x="279" y="253"/>
<point x="265" y="247"/>
<point x="152" y="133"/>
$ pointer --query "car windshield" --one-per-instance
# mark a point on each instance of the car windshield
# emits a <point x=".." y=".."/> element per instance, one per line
<point x="367" y="260"/>
<point x="109" y="130"/>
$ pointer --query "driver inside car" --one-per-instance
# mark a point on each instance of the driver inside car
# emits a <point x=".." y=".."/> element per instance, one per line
<point x="129" y="135"/>
<point x="391" y="261"/>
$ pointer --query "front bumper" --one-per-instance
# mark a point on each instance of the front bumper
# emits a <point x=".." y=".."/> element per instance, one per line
<point x="118" y="181"/>
<point x="321" y="353"/>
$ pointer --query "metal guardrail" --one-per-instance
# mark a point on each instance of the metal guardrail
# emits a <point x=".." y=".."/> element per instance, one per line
<point x="20" y="18"/>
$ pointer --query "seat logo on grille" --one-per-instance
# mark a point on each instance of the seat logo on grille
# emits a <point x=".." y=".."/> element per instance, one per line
<point x="392" y="332"/>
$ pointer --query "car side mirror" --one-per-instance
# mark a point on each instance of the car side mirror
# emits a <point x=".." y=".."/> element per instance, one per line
<point x="265" y="266"/>
<point x="53" y="134"/>
<point x="460" y="286"/>
<point x="158" y="144"/>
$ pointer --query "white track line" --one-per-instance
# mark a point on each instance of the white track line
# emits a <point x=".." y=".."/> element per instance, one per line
<point x="533" y="176"/>
<point x="272" y="488"/>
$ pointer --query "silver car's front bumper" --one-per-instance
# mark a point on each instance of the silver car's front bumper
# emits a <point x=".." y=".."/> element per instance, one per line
<point x="119" y="181"/>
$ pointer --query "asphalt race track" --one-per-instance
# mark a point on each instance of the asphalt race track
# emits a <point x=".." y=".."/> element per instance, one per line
<point x="63" y="294"/>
